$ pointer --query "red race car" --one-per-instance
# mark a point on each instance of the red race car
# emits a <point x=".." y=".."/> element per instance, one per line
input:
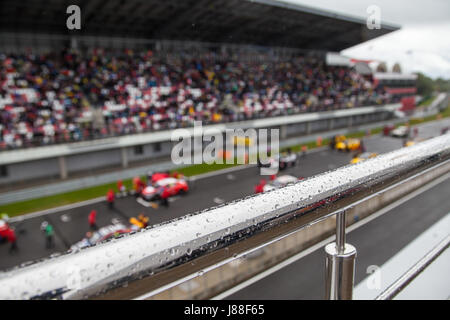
<point x="154" y="177"/>
<point x="165" y="188"/>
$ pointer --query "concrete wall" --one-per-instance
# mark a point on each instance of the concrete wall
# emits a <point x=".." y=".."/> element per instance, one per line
<point x="24" y="171"/>
<point x="93" y="160"/>
<point x="149" y="151"/>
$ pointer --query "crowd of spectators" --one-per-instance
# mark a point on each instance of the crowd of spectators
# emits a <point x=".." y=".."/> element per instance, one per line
<point x="71" y="96"/>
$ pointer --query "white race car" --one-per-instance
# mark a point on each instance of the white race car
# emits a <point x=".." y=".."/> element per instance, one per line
<point x="279" y="182"/>
<point x="289" y="159"/>
<point x="401" y="132"/>
<point x="279" y="162"/>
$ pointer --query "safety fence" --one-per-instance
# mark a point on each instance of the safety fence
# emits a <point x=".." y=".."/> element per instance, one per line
<point x="155" y="258"/>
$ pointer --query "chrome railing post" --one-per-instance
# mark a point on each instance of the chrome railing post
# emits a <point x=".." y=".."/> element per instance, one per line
<point x="339" y="264"/>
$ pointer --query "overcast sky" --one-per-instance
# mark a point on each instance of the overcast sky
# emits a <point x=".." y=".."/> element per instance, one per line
<point x="422" y="44"/>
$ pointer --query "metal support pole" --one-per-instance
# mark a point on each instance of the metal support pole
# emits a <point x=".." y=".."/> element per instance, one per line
<point x="340" y="232"/>
<point x="330" y="124"/>
<point x="283" y="131"/>
<point x="340" y="264"/>
<point x="62" y="167"/>
<point x="124" y="157"/>
<point x="308" y="127"/>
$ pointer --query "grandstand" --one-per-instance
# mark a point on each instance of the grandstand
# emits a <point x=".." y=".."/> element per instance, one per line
<point x="190" y="72"/>
<point x="53" y="99"/>
<point x="144" y="66"/>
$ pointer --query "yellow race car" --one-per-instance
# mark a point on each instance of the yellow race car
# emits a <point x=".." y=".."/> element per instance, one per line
<point x="335" y="140"/>
<point x="362" y="157"/>
<point x="409" y="143"/>
<point x="348" y="145"/>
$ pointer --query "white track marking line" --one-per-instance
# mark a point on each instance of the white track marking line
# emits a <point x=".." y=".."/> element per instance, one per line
<point x="329" y="239"/>
<point x="218" y="200"/>
<point x="65" y="218"/>
<point x="143" y="202"/>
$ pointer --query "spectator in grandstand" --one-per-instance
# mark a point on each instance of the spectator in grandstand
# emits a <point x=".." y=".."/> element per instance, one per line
<point x="71" y="96"/>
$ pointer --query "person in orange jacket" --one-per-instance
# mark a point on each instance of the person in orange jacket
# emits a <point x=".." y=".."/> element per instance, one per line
<point x="110" y="198"/>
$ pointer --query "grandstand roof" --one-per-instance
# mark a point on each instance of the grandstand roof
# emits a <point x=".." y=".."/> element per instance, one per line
<point x="258" y="22"/>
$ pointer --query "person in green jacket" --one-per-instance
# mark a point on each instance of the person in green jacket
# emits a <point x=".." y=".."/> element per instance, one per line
<point x="49" y="232"/>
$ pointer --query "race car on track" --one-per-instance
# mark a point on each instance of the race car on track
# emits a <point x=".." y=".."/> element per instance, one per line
<point x="348" y="144"/>
<point x="363" y="156"/>
<point x="401" y="132"/>
<point x="280" y="162"/>
<point x="279" y="182"/>
<point x="271" y="163"/>
<point x="105" y="233"/>
<point x="165" y="188"/>
<point x="288" y="159"/>
<point x="153" y="177"/>
<point x="336" y="139"/>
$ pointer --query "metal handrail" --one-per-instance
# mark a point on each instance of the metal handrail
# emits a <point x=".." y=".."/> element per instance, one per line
<point x="394" y="289"/>
<point x="93" y="270"/>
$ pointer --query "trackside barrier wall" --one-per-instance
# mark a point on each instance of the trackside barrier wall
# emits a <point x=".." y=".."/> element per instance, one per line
<point x="115" y="152"/>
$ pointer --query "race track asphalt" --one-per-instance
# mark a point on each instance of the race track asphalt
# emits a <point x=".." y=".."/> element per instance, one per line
<point x="376" y="242"/>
